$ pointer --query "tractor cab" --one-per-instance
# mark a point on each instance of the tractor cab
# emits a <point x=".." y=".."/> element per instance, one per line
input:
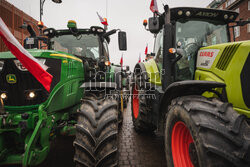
<point x="188" y="30"/>
<point x="90" y="45"/>
<point x="193" y="88"/>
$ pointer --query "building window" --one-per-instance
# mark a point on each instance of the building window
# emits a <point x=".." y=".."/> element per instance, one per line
<point x="229" y="2"/>
<point x="237" y="31"/>
<point x="248" y="5"/>
<point x="237" y="10"/>
<point x="248" y="25"/>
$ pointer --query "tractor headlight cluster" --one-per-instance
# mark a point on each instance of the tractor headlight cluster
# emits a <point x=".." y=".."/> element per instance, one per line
<point x="97" y="29"/>
<point x="22" y="68"/>
<point x="3" y="96"/>
<point x="19" y="65"/>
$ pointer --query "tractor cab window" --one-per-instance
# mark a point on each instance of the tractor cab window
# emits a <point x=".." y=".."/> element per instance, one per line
<point x="83" y="45"/>
<point x="191" y="35"/>
<point x="106" y="51"/>
<point x="158" y="49"/>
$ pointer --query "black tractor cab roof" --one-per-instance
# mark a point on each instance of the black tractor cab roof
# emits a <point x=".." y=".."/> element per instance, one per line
<point x="96" y="30"/>
<point x="51" y="32"/>
<point x="203" y="13"/>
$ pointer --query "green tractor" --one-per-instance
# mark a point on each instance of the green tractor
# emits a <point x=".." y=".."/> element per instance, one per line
<point x="196" y="90"/>
<point x="31" y="117"/>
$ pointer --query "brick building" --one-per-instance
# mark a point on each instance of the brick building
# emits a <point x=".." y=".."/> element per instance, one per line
<point x="240" y="6"/>
<point x="14" y="18"/>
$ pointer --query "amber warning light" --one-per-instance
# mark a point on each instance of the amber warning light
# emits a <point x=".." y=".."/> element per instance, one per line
<point x="40" y="24"/>
<point x="145" y="22"/>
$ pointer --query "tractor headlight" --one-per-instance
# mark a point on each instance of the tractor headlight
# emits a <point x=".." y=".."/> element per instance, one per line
<point x="100" y="30"/>
<point x="1" y="65"/>
<point x="31" y="95"/>
<point x="22" y="68"/>
<point x="188" y="13"/>
<point x="3" y="96"/>
<point x="180" y="12"/>
<point x="19" y="65"/>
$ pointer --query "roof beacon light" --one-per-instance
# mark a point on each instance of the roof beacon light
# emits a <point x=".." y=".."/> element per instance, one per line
<point x="225" y="16"/>
<point x="40" y="24"/>
<point x="188" y="13"/>
<point x="71" y="24"/>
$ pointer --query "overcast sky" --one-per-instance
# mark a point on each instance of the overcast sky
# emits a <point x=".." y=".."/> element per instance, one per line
<point x="126" y="15"/>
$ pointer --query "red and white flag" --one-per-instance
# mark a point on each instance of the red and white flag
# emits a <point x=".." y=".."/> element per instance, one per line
<point x="153" y="6"/>
<point x="146" y="50"/>
<point x="37" y="69"/>
<point x="102" y="20"/>
<point x="139" y="58"/>
<point x="121" y="61"/>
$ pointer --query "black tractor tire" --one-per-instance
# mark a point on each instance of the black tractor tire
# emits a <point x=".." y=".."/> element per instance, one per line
<point x="96" y="142"/>
<point x="216" y="135"/>
<point x="140" y="106"/>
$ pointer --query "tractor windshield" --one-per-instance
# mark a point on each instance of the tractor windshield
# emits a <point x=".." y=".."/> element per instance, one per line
<point x="84" y="45"/>
<point x="193" y="34"/>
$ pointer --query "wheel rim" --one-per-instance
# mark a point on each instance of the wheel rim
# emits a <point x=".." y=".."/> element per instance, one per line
<point x="181" y="141"/>
<point x="135" y="102"/>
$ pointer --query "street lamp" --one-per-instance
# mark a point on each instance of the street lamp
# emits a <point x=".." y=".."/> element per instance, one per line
<point x="41" y="6"/>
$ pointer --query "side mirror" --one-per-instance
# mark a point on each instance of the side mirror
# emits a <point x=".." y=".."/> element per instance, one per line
<point x="122" y="39"/>
<point x="154" y="24"/>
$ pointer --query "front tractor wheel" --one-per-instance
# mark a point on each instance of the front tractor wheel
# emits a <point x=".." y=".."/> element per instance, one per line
<point x="205" y="132"/>
<point x="141" y="111"/>
<point x="96" y="142"/>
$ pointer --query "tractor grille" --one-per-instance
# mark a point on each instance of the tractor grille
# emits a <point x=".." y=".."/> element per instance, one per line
<point x="227" y="56"/>
<point x="18" y="91"/>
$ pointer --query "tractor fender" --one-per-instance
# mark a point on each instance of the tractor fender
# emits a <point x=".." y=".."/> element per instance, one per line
<point x="149" y="71"/>
<point x="185" y="88"/>
<point x="140" y="68"/>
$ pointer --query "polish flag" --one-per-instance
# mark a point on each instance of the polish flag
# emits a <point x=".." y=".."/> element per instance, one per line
<point x="121" y="61"/>
<point x="146" y="50"/>
<point x="103" y="20"/>
<point x="139" y="59"/>
<point x="37" y="69"/>
<point x="153" y="6"/>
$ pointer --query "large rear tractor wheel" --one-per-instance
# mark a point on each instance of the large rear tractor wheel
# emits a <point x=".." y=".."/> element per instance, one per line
<point x="206" y="132"/>
<point x="96" y="142"/>
<point x="140" y="107"/>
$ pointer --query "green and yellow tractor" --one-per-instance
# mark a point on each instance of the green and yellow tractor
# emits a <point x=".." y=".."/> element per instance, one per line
<point x="31" y="117"/>
<point x="196" y="90"/>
